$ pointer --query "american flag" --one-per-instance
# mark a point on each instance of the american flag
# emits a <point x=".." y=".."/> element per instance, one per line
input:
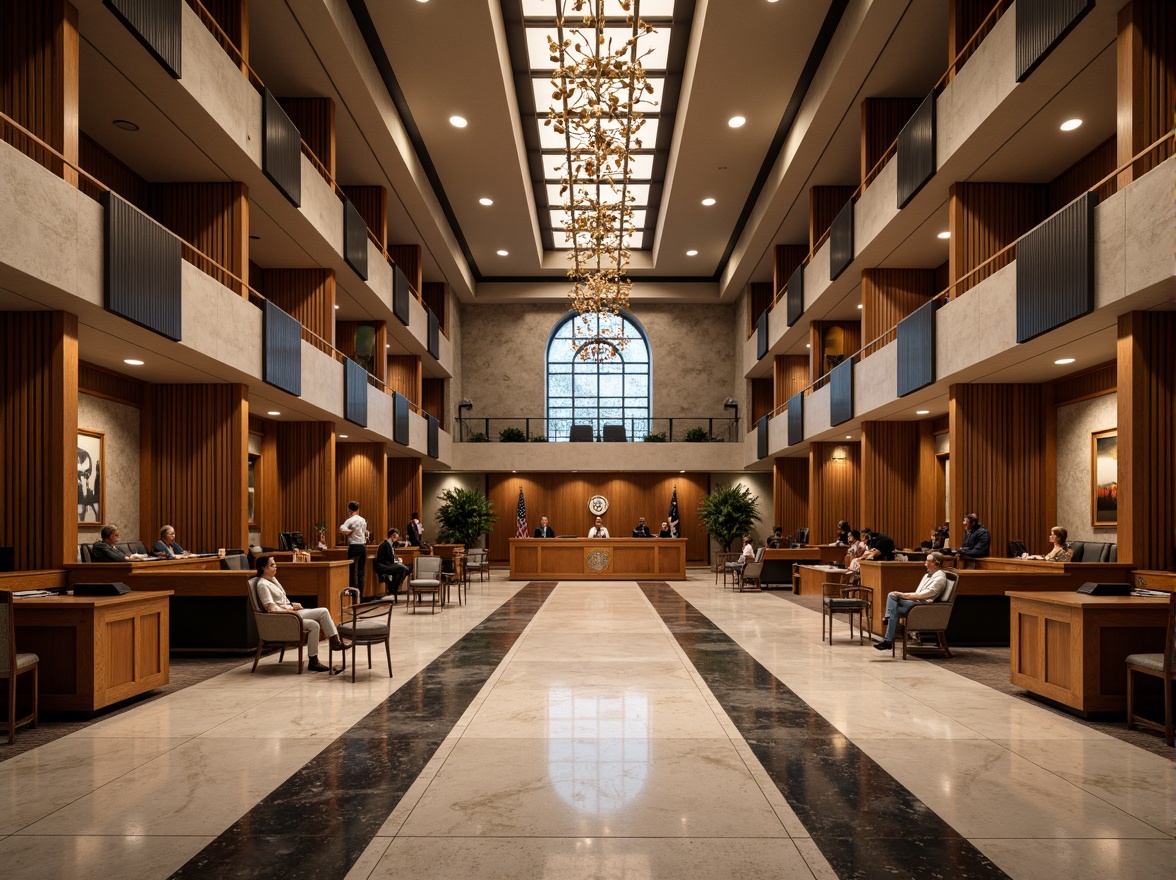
<point x="521" y="531"/>
<point x="673" y="514"/>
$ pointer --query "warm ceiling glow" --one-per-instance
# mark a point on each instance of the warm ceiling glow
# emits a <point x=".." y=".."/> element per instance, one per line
<point x="859" y="305"/>
<point x="273" y="412"/>
<point x="736" y="121"/>
<point x="848" y="437"/>
<point x="502" y="253"/>
<point x="486" y="202"/>
<point x="1061" y="362"/>
<point x="708" y="202"/>
<point x="808" y="345"/>
<point x="336" y="308"/>
<point x="692" y="253"/>
<point x="458" y="121"/>
<point x="1071" y="124"/>
<point x="133" y="362"/>
<point x="922" y="412"/>
<point x="944" y="235"/>
<point x="342" y="436"/>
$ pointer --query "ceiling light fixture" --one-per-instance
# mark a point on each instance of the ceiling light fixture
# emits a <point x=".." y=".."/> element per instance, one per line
<point x="1071" y="124"/>
<point x="134" y="362"/>
<point x="692" y="253"/>
<point x="125" y="125"/>
<point x="458" y="121"/>
<point x="1061" y="362"/>
<point x="808" y="345"/>
<point x="736" y="122"/>
<point x="273" y="412"/>
<point x="502" y="253"/>
<point x="342" y="436"/>
<point x="708" y="202"/>
<point x="944" y="235"/>
<point x="859" y="305"/>
<point x="922" y="412"/>
<point x="336" y="308"/>
<point x="486" y="202"/>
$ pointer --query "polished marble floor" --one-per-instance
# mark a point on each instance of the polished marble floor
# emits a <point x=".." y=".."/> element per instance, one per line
<point x="593" y="730"/>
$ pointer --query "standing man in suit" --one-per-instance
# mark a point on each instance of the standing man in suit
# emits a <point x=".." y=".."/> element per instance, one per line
<point x="387" y="567"/>
<point x="544" y="530"/>
<point x="416" y="531"/>
<point x="356" y="530"/>
<point x="642" y="530"/>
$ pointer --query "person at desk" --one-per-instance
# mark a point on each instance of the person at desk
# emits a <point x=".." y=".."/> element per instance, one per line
<point x="642" y="530"/>
<point x="415" y="531"/>
<point x="316" y="622"/>
<point x="167" y="547"/>
<point x="1061" y="551"/>
<point x="356" y="529"/>
<point x="598" y="530"/>
<point x="928" y="590"/>
<point x="387" y="567"/>
<point x="843" y="531"/>
<point x="976" y="539"/>
<point x="878" y="546"/>
<point x="665" y="531"/>
<point x="544" y="530"/>
<point x="857" y="549"/>
<point x="107" y="549"/>
<point x="776" y="539"/>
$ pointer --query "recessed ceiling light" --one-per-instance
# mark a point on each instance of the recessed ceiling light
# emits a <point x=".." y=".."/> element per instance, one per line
<point x="458" y="121"/>
<point x="808" y="345"/>
<point x="692" y="253"/>
<point x="922" y="412"/>
<point x="1071" y="124"/>
<point x="125" y="125"/>
<point x="708" y="202"/>
<point x="502" y="253"/>
<point x="486" y="202"/>
<point x="1061" y="362"/>
<point x="736" y="121"/>
<point x="336" y="308"/>
<point x="848" y="437"/>
<point x="944" y="235"/>
<point x="859" y="305"/>
<point x="342" y="436"/>
<point x="388" y="345"/>
<point x="255" y="237"/>
<point x="273" y="412"/>
<point x="134" y="362"/>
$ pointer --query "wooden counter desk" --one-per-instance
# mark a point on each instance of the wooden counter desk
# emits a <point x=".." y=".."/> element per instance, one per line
<point x="1070" y="647"/>
<point x="813" y="577"/>
<point x="598" y="559"/>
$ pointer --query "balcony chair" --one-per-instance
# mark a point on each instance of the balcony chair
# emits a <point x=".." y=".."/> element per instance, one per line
<point x="13" y="664"/>
<point x="363" y="623"/>
<point x="426" y="578"/>
<point x="930" y="617"/>
<point x="614" y="434"/>
<point x="1161" y="666"/>
<point x="275" y="629"/>
<point x="581" y="434"/>
<point x="847" y="600"/>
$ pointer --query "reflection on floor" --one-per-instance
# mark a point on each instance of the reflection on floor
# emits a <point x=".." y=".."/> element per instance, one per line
<point x="592" y="730"/>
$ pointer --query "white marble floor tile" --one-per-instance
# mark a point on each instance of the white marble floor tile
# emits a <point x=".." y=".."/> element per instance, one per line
<point x="541" y="675"/>
<point x="72" y="857"/>
<point x="1082" y="859"/>
<point x="636" y="647"/>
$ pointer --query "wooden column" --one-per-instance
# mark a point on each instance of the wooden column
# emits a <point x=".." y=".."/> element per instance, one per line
<point x="435" y="296"/>
<point x="834" y="488"/>
<point x="763" y="401"/>
<point x="306" y="475"/>
<point x="888" y="296"/>
<point x="372" y="204"/>
<point x="791" y="374"/>
<point x="433" y="400"/>
<point x="984" y="218"/>
<point x="882" y="120"/>
<point x="1147" y="439"/>
<point x="404" y="375"/>
<point x="790" y="494"/>
<point x="405" y="494"/>
<point x="267" y="489"/>
<point x="315" y="120"/>
<point x="825" y="203"/>
<point x="893" y="482"/>
<point x="39" y="436"/>
<point x="787" y="257"/>
<point x="307" y="294"/>
<point x="1146" y="50"/>
<point x="362" y="475"/>
<point x="213" y="218"/>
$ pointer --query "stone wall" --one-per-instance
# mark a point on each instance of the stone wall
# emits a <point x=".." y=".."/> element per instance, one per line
<point x="120" y="424"/>
<point x="1076" y="423"/>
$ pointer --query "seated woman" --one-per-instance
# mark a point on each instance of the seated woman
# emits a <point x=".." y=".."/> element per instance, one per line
<point x="665" y="531"/>
<point x="746" y="555"/>
<point x="1061" y="551"/>
<point x="856" y="548"/>
<point x="315" y="621"/>
<point x="167" y="547"/>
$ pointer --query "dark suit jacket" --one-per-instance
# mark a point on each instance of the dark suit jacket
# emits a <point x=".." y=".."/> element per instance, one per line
<point x="103" y="552"/>
<point x="884" y="544"/>
<point x="385" y="557"/>
<point x="976" y="542"/>
<point x="642" y="532"/>
<point x="414" y="534"/>
<point x="544" y="532"/>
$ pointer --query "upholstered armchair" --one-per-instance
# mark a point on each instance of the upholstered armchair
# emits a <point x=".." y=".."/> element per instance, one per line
<point x="275" y="629"/>
<point x="931" y="617"/>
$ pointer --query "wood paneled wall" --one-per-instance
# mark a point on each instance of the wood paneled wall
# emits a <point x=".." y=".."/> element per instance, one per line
<point x="835" y="489"/>
<point x="372" y="204"/>
<point x="759" y="298"/>
<point x="786" y="257"/>
<point x="404" y="375"/>
<point x="94" y="160"/>
<point x="405" y="494"/>
<point x="232" y="16"/>
<point x="433" y="400"/>
<point x="1147" y="445"/>
<point x="306" y="294"/>
<point x="1082" y="175"/>
<point x="851" y="341"/>
<point x="306" y="477"/>
<point x="362" y="475"/>
<point x="345" y="336"/>
<point x="963" y="19"/>
<point x="984" y="218"/>
<point x="894" y="483"/>
<point x="1086" y="384"/>
<point x="408" y="258"/>
<point x="888" y="296"/>
<point x="999" y="467"/>
<point x="39" y="436"/>
<point x="563" y="499"/>
<point x="194" y="444"/>
<point x="213" y="218"/>
<point x="267" y="491"/>
<point x="100" y="382"/>
<point x="790" y="494"/>
<point x="763" y="400"/>
<point x="791" y="375"/>
<point x="825" y="203"/>
<point x="882" y="120"/>
<point x="1146" y="51"/>
<point x="435" y="296"/>
<point x="39" y="77"/>
<point x="315" y="119"/>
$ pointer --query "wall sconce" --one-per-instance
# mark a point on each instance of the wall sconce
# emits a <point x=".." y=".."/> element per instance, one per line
<point x="464" y="404"/>
<point x="840" y="453"/>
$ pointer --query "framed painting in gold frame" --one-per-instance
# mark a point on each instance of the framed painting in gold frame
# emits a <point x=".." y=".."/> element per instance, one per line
<point x="1104" y="478"/>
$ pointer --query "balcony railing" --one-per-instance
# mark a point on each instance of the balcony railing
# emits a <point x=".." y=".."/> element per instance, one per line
<point x="641" y="429"/>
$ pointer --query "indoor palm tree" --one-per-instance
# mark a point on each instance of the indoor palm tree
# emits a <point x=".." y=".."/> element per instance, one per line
<point x="728" y="512"/>
<point x="465" y="516"/>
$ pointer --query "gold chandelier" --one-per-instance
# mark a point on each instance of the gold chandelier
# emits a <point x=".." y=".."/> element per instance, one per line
<point x="596" y="88"/>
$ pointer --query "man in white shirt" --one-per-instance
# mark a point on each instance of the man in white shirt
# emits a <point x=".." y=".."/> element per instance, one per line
<point x="898" y="604"/>
<point x="356" y="530"/>
<point x="598" y="530"/>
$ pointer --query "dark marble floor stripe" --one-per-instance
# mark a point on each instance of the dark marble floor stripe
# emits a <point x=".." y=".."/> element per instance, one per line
<point x="863" y="820"/>
<point x="319" y="821"/>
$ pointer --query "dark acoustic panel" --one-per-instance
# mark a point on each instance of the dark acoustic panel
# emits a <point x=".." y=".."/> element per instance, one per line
<point x="400" y="296"/>
<point x="761" y="335"/>
<point x="434" y="427"/>
<point x="796" y="419"/>
<point x="434" y="335"/>
<point x="282" y="357"/>
<point x="355" y="239"/>
<point x="400" y="419"/>
<point x="355" y="385"/>
<point x="841" y="241"/>
<point x="281" y="148"/>
<point x="916" y="349"/>
<point x="794" y="296"/>
<point x="142" y="269"/>
<point x="841" y="393"/>
<point x="1055" y="270"/>
<point x="157" y="25"/>
<point x="916" y="151"/>
<point x="761" y="438"/>
<point x="1041" y="25"/>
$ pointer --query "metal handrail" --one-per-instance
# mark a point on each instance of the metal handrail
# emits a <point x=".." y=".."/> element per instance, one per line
<point x="637" y="428"/>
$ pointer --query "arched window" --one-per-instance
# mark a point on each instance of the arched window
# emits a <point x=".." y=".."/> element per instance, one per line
<point x="584" y="389"/>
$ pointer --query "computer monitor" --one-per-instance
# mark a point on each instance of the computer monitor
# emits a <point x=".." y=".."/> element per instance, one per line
<point x="291" y="541"/>
<point x="7" y="559"/>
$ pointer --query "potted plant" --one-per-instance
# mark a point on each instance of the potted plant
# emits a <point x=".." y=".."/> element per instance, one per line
<point x="538" y="438"/>
<point x="320" y="529"/>
<point x="477" y="437"/>
<point x="728" y="513"/>
<point x="464" y="516"/>
<point x="659" y="437"/>
<point x="697" y="435"/>
<point x="512" y="435"/>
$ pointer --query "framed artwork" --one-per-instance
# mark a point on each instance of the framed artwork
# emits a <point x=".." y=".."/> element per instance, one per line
<point x="1104" y="478"/>
<point x="91" y="477"/>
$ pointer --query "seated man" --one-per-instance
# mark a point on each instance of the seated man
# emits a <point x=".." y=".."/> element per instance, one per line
<point x="642" y="530"/>
<point x="387" y="567"/>
<point x="544" y="530"/>
<point x="316" y="622"/>
<point x="167" y="547"/>
<point x="976" y="538"/>
<point x="107" y="550"/>
<point x="898" y="604"/>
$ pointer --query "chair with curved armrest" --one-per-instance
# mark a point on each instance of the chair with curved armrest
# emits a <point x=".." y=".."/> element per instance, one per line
<point x="275" y="629"/>
<point x="14" y="664"/>
<point x="1161" y="666"/>
<point x="363" y="623"/>
<point x="426" y="578"/>
<point x="930" y="617"/>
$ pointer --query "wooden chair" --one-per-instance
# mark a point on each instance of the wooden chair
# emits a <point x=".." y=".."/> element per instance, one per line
<point x="363" y="623"/>
<point x="1161" y="666"/>
<point x="930" y="617"/>
<point x="426" y="578"/>
<point x="275" y="629"/>
<point x="837" y="598"/>
<point x="457" y="577"/>
<point x="721" y="560"/>
<point x="13" y="665"/>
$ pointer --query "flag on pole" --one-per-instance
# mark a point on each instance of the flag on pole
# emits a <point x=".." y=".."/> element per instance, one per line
<point x="521" y="530"/>
<point x="673" y="514"/>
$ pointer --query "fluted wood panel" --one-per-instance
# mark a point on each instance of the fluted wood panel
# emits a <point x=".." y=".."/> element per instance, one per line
<point x="984" y="218"/>
<point x="361" y="475"/>
<point x="964" y="19"/>
<point x="1055" y="270"/>
<point x="892" y="481"/>
<point x="346" y="334"/>
<point x="786" y="259"/>
<point x="1086" y="384"/>
<point x="1147" y="446"/>
<point x="998" y="462"/>
<point x="763" y="400"/>
<point x="306" y="476"/>
<point x="433" y="400"/>
<point x="141" y="269"/>
<point x="882" y="120"/>
<point x="760" y="300"/>
<point x="1040" y="26"/>
<point x="408" y="258"/>
<point x="100" y="382"/>
<point x="930" y="504"/>
<point x="306" y="294"/>
<point x="1082" y="175"/>
<point x="213" y="218"/>
<point x="404" y="375"/>
<point x="232" y="17"/>
<point x="38" y="435"/>
<point x="157" y="24"/>
<point x="888" y="296"/>
<point x="825" y="203"/>
<point x="194" y="443"/>
<point x="563" y="499"/>
<point x="315" y="120"/>
<point x="372" y="204"/>
<point x="404" y="494"/>
<point x="791" y="375"/>
<point x="435" y="296"/>
<point x="1146" y="52"/>
<point x="94" y="160"/>
<point x="790" y="494"/>
<point x="267" y="488"/>
<point x="281" y="148"/>
<point x="917" y="364"/>
<point x="834" y="489"/>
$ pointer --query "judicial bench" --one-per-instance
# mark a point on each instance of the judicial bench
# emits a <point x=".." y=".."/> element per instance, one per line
<point x="603" y="559"/>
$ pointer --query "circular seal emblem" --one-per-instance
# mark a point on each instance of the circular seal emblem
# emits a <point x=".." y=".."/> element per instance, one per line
<point x="598" y="505"/>
<point x="598" y="560"/>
